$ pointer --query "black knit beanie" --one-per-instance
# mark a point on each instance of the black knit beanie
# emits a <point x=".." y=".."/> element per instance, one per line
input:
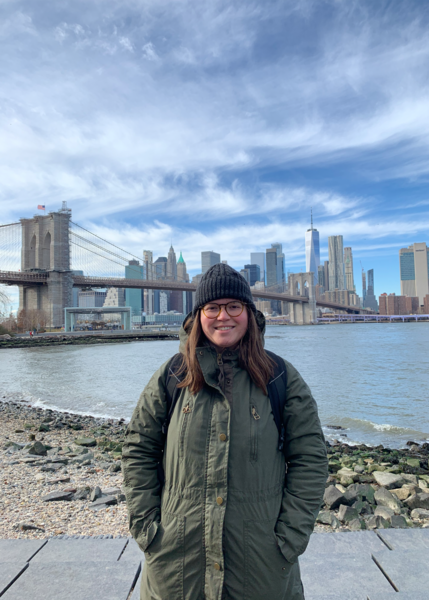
<point x="222" y="281"/>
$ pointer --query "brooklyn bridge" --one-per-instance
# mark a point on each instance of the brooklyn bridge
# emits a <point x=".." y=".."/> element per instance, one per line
<point x="46" y="256"/>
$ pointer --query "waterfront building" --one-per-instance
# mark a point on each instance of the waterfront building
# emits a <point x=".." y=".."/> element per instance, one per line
<point x="114" y="297"/>
<point x="345" y="297"/>
<point x="348" y="269"/>
<point x="426" y="305"/>
<point x="134" y="297"/>
<point x="281" y="278"/>
<point x="336" y="263"/>
<point x="91" y="298"/>
<point x="370" y="299"/>
<point x="264" y="306"/>
<point x="258" y="258"/>
<point x="208" y="259"/>
<point x="414" y="269"/>
<point x="148" y="295"/>
<point x="271" y="263"/>
<point x="398" y="305"/>
<point x="312" y="251"/>
<point x="254" y="273"/>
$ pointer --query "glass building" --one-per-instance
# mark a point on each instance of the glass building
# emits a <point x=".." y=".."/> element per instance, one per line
<point x="414" y="269"/>
<point x="312" y="251"/>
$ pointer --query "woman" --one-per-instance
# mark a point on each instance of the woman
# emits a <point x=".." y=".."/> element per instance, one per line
<point x="226" y="523"/>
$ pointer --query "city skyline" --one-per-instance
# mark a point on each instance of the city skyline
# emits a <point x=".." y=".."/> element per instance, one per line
<point x="221" y="126"/>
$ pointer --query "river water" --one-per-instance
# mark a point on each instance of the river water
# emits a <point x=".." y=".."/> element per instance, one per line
<point x="371" y="379"/>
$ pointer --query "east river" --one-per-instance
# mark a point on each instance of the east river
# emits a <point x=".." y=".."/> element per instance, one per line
<point x="370" y="379"/>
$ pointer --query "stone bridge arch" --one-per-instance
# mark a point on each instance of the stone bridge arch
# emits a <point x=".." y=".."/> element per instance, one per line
<point x="300" y="313"/>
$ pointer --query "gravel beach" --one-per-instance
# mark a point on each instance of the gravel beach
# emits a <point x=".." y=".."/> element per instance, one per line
<point x="60" y="475"/>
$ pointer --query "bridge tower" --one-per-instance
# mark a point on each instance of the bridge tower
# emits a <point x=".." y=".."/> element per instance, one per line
<point x="46" y="248"/>
<point x="302" y="284"/>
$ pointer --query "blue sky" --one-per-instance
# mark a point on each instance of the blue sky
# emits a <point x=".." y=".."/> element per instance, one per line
<point x="217" y="125"/>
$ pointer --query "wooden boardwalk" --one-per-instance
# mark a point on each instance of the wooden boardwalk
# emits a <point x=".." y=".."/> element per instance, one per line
<point x="367" y="565"/>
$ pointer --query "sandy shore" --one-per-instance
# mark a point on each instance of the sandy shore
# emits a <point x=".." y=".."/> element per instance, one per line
<point x="60" y="475"/>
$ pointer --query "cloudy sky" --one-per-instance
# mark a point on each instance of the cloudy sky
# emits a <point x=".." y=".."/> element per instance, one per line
<point x="216" y="125"/>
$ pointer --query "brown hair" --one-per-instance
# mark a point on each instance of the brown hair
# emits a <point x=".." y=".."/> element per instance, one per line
<point x="252" y="356"/>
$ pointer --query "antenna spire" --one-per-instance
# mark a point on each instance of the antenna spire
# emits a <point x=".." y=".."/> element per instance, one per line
<point x="311" y="218"/>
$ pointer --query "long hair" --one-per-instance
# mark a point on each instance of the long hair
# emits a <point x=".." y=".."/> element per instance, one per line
<point x="252" y="356"/>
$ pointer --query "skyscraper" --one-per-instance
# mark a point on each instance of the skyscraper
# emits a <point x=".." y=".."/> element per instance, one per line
<point x="271" y="261"/>
<point x="326" y="273"/>
<point x="280" y="262"/>
<point x="171" y="265"/>
<point x="370" y="299"/>
<point x="363" y="287"/>
<point x="148" y="270"/>
<point x="258" y="258"/>
<point x="321" y="276"/>
<point x="348" y="268"/>
<point x="336" y="263"/>
<point x="254" y="273"/>
<point x="414" y="268"/>
<point x="182" y="275"/>
<point x="134" y="296"/>
<point x="312" y="251"/>
<point x="208" y="259"/>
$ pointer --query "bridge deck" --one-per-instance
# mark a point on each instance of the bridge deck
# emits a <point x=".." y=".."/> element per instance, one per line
<point x="336" y="566"/>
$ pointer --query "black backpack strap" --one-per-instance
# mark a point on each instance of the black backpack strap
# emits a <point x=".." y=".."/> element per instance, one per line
<point x="277" y="390"/>
<point x="171" y="383"/>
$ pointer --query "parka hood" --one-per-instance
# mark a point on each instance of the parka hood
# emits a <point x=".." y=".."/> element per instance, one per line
<point x="183" y="336"/>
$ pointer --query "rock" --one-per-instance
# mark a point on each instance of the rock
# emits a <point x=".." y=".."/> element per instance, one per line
<point x="385" y="512"/>
<point x="83" y="459"/>
<point x="44" y="427"/>
<point x="359" y="469"/>
<point x="87" y="442"/>
<point x="409" y="478"/>
<point x="28" y="527"/>
<point x="418" y="501"/>
<point x="113" y="491"/>
<point x="103" y="502"/>
<point x="115" y="467"/>
<point x="324" y="517"/>
<point x="363" y="507"/>
<point x="359" y="491"/>
<point x="347" y="513"/>
<point x="13" y="446"/>
<point x="57" y="497"/>
<point x="82" y="493"/>
<point x="388" y="480"/>
<point x="384" y="498"/>
<point x="413" y="462"/>
<point x="52" y="468"/>
<point x="377" y="522"/>
<point x="357" y="525"/>
<point x="333" y="497"/>
<point x="401" y="493"/>
<point x="31" y="437"/>
<point x="37" y="449"/>
<point x="420" y="513"/>
<point x="335" y="524"/>
<point x="399" y="522"/>
<point x="95" y="494"/>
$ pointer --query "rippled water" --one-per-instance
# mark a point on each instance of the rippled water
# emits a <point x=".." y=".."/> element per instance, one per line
<point x="371" y="379"/>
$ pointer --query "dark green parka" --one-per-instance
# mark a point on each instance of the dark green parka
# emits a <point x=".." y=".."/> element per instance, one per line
<point x="228" y="524"/>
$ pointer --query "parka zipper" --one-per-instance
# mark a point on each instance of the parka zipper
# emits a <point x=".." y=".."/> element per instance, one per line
<point x="186" y="410"/>
<point x="254" y="418"/>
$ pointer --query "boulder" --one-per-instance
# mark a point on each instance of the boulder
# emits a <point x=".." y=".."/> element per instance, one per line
<point x="36" y="449"/>
<point x="418" y="501"/>
<point x="82" y="493"/>
<point x="385" y="498"/>
<point x="357" y="525"/>
<point x="347" y="513"/>
<point x="324" y="517"/>
<point x="377" y="522"/>
<point x="385" y="512"/>
<point x="399" y="522"/>
<point x="420" y="513"/>
<point x="363" y="507"/>
<point x="333" y="497"/>
<point x="58" y="497"/>
<point x="87" y="442"/>
<point x="359" y="491"/>
<point x="95" y="494"/>
<point x="388" y="480"/>
<point x="401" y="493"/>
<point x="359" y="469"/>
<point x="413" y="462"/>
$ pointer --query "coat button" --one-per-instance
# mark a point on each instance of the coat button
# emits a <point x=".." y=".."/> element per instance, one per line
<point x="217" y="566"/>
<point x="219" y="500"/>
<point x="222" y="437"/>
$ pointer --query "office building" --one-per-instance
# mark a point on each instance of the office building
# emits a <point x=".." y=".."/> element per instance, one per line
<point x="208" y="259"/>
<point x="182" y="275"/>
<point x="134" y="297"/>
<point x="171" y="265"/>
<point x="281" y="278"/>
<point x="264" y="306"/>
<point x="363" y="287"/>
<point x="341" y="297"/>
<point x="336" y="263"/>
<point x="312" y="251"/>
<point x="348" y="269"/>
<point x="321" y="277"/>
<point x="370" y="299"/>
<point x="258" y="258"/>
<point x="271" y="266"/>
<point x="326" y="274"/>
<point x="91" y="298"/>
<point x="254" y="273"/>
<point x="245" y="273"/>
<point x="414" y="269"/>
<point x="160" y="268"/>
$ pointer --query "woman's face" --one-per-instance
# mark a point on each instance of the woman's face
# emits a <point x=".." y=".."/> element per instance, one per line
<point x="224" y="330"/>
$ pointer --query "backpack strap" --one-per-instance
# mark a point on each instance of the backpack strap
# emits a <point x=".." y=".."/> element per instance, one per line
<point x="171" y="383"/>
<point x="277" y="389"/>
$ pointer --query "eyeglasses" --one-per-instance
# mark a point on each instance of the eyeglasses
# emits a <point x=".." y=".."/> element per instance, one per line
<point x="233" y="309"/>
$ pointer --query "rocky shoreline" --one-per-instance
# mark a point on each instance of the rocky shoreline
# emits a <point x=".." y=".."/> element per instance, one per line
<point x="61" y="475"/>
<point x="60" y="339"/>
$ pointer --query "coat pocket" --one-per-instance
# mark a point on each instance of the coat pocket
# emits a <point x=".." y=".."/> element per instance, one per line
<point x="165" y="558"/>
<point x="267" y="572"/>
